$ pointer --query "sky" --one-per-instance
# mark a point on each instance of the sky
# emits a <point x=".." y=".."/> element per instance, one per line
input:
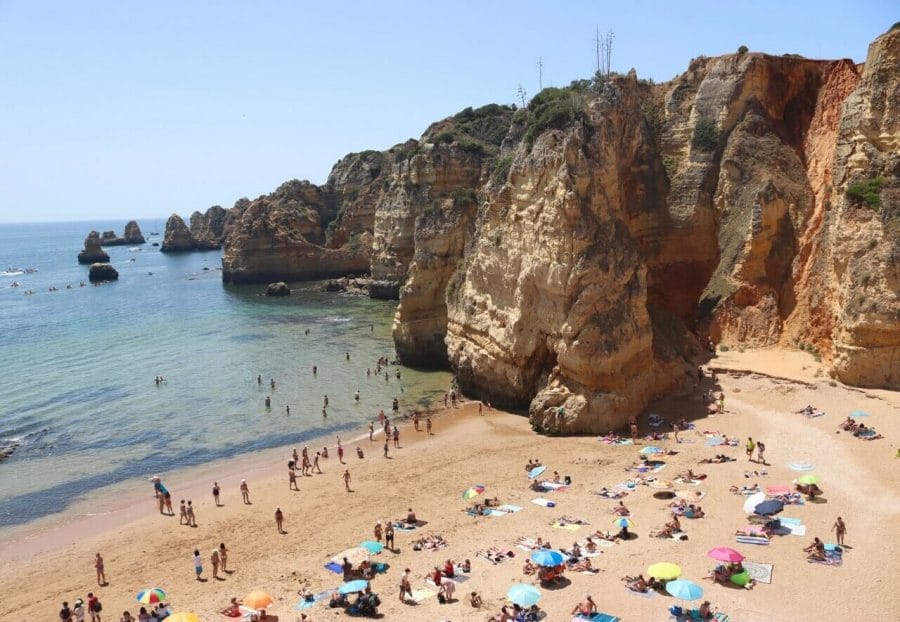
<point x="119" y="110"/>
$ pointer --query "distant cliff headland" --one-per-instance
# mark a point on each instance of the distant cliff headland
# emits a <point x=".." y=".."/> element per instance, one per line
<point x="572" y="256"/>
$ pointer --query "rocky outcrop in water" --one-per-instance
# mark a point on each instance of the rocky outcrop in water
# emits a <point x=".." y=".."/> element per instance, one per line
<point x="130" y="237"/>
<point x="101" y="272"/>
<point x="571" y="257"/>
<point x="207" y="231"/>
<point x="279" y="289"/>
<point x="93" y="252"/>
<point x="177" y="238"/>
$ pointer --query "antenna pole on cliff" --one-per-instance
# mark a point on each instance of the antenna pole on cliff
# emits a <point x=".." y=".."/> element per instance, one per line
<point x="540" y="67"/>
<point x="597" y="47"/>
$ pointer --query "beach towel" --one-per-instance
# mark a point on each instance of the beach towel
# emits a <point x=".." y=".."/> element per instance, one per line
<point x="495" y="512"/>
<point x="714" y="441"/>
<point x="404" y="526"/>
<point x="627" y="485"/>
<point x="606" y="544"/>
<point x="568" y="527"/>
<point x="544" y="502"/>
<point x="510" y="509"/>
<point x="832" y="558"/>
<point x="597" y="617"/>
<point x="760" y="572"/>
<point x="495" y="555"/>
<point x="620" y="441"/>
<point x="693" y="482"/>
<point x="421" y="593"/>
<point x="647" y="594"/>
<point x="306" y="604"/>
<point x="647" y="469"/>
<point x="335" y="568"/>
<point x="752" y="540"/>
<point x="814" y="414"/>
<point x="611" y="494"/>
<point x="553" y="487"/>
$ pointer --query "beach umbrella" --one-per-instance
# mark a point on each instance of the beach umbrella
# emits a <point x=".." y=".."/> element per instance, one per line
<point x="801" y="466"/>
<point x="183" y="617"/>
<point x="769" y="507"/>
<point x="359" y="585"/>
<point x="623" y="522"/>
<point x="151" y="596"/>
<point x="662" y="484"/>
<point x="536" y="471"/>
<point x="371" y="546"/>
<point x="651" y="449"/>
<point x="474" y="491"/>
<point x="684" y="589"/>
<point x="752" y="501"/>
<point x="664" y="571"/>
<point x="257" y="599"/>
<point x="356" y="555"/>
<point x="858" y="413"/>
<point x="547" y="557"/>
<point x="725" y="554"/>
<point x="810" y="479"/>
<point x="523" y="594"/>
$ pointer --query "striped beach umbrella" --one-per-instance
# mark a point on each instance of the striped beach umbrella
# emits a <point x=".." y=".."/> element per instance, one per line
<point x="151" y="596"/>
<point x="623" y="522"/>
<point x="472" y="492"/>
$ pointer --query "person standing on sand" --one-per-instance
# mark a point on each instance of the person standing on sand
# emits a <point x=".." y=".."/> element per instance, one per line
<point x="371" y="431"/>
<point x="292" y="480"/>
<point x="65" y="614"/>
<point x="316" y="463"/>
<point x="340" y="454"/>
<point x="416" y="421"/>
<point x="378" y="532"/>
<point x="192" y="520"/>
<point x="168" y="498"/>
<point x="198" y="564"/>
<point x="750" y="447"/>
<point x="94" y="607"/>
<point x="223" y="557"/>
<point x="721" y="408"/>
<point x="245" y="492"/>
<point x="675" y="429"/>
<point x="347" y="479"/>
<point x="632" y="422"/>
<point x="386" y="448"/>
<point x="98" y="566"/>
<point x="183" y="514"/>
<point x="840" y="530"/>
<point x="396" y="437"/>
<point x="214" y="559"/>
<point x="216" y="493"/>
<point x="279" y="520"/>
<point x="389" y="536"/>
<point x="162" y="504"/>
<point x="78" y="610"/>
<point x="428" y="424"/>
<point x="405" y="587"/>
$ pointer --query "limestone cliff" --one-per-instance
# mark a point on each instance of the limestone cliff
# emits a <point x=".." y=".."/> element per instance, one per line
<point x="177" y="237"/>
<point x="570" y="257"/>
<point x="207" y="230"/>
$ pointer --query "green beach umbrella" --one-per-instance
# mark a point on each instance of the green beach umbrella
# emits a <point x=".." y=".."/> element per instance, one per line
<point x="809" y="480"/>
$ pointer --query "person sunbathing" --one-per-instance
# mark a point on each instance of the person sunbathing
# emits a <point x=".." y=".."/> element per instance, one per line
<point x="503" y="616"/>
<point x="233" y="610"/>
<point x="604" y="536"/>
<point x="810" y="490"/>
<point x="665" y="532"/>
<point x="475" y="600"/>
<point x="590" y="546"/>
<point x="621" y="510"/>
<point x="848" y="425"/>
<point x="816" y="550"/>
<point x="411" y="517"/>
<point x="637" y="584"/>
<point x="576" y="551"/>
<point x="690" y="476"/>
<point x="694" y="511"/>
<point x="720" y="575"/>
<point x="717" y="459"/>
<point x="529" y="568"/>
<point x="582" y="565"/>
<point x="744" y="489"/>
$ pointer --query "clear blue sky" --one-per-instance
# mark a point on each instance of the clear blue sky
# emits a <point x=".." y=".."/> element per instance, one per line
<point x="126" y="109"/>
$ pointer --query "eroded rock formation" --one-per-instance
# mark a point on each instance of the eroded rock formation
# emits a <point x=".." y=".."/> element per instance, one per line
<point x="101" y="272"/>
<point x="278" y="289"/>
<point x="131" y="236"/>
<point x="569" y="258"/>
<point x="207" y="231"/>
<point x="177" y="238"/>
<point x="92" y="252"/>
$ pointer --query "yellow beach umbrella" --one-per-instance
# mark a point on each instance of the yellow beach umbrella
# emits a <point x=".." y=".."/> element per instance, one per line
<point x="258" y="599"/>
<point x="183" y="617"/>
<point x="664" y="571"/>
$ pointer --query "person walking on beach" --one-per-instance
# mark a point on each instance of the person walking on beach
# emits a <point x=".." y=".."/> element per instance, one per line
<point x="98" y="566"/>
<point x="386" y="448"/>
<point x="198" y="564"/>
<point x="94" y="607"/>
<point x="721" y="407"/>
<point x="840" y="530"/>
<point x="65" y="614"/>
<point x="183" y="514"/>
<point x="223" y="557"/>
<point x="78" y="610"/>
<point x="216" y="493"/>
<point x="760" y="451"/>
<point x="214" y="559"/>
<point x="416" y="421"/>
<point x="428" y="424"/>
<point x="245" y="492"/>
<point x="316" y="464"/>
<point x="347" y="479"/>
<point x="279" y="520"/>
<point x="750" y="447"/>
<point x="162" y="504"/>
<point x="167" y="496"/>
<point x="405" y="586"/>
<point x="340" y="454"/>
<point x="192" y="520"/>
<point x="292" y="480"/>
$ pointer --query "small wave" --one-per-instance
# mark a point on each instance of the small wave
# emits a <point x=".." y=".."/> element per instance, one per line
<point x="330" y="319"/>
<point x="12" y="272"/>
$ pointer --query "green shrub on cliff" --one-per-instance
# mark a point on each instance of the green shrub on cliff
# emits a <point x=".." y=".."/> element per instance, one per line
<point x="552" y="109"/>
<point x="501" y="169"/>
<point x="866" y="191"/>
<point x="706" y="136"/>
<point x="743" y="49"/>
<point x="488" y="124"/>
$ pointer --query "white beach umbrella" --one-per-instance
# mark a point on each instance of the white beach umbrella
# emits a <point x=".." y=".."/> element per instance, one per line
<point x="752" y="501"/>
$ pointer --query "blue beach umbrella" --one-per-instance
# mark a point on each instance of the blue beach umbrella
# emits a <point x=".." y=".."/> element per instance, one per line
<point x="769" y="507"/>
<point x="359" y="585"/>
<point x="858" y="413"/>
<point x="684" y="589"/>
<point x="372" y="547"/>
<point x="536" y="471"/>
<point x="523" y="594"/>
<point x="547" y="557"/>
<point x="651" y="449"/>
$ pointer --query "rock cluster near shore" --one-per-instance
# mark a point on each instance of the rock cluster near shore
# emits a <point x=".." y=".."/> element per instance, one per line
<point x="572" y="258"/>
<point x="92" y="252"/>
<point x="207" y="231"/>
<point x="101" y="272"/>
<point x="131" y="236"/>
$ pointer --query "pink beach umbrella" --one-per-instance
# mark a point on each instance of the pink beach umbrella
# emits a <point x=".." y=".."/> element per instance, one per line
<point x="725" y="554"/>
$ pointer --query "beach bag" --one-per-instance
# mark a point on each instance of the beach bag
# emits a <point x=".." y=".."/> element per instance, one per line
<point x="98" y="607"/>
<point x="442" y="599"/>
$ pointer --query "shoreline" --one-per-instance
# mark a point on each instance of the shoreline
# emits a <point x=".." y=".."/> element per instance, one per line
<point x="122" y="503"/>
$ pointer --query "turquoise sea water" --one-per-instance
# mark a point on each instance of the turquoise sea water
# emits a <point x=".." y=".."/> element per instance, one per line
<point x="77" y="366"/>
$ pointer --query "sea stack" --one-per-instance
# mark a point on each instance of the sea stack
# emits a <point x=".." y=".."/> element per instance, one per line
<point x="93" y="252"/>
<point x="101" y="272"/>
<point x="178" y="237"/>
<point x="278" y="289"/>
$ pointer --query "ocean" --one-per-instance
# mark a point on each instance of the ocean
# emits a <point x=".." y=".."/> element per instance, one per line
<point x="77" y="366"/>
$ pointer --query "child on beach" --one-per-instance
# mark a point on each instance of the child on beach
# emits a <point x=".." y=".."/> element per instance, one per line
<point x="198" y="564"/>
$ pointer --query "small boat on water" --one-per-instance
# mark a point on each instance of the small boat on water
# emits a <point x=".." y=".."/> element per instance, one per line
<point x="18" y="271"/>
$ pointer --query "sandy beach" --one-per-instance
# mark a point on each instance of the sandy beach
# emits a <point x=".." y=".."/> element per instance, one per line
<point x="52" y="561"/>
